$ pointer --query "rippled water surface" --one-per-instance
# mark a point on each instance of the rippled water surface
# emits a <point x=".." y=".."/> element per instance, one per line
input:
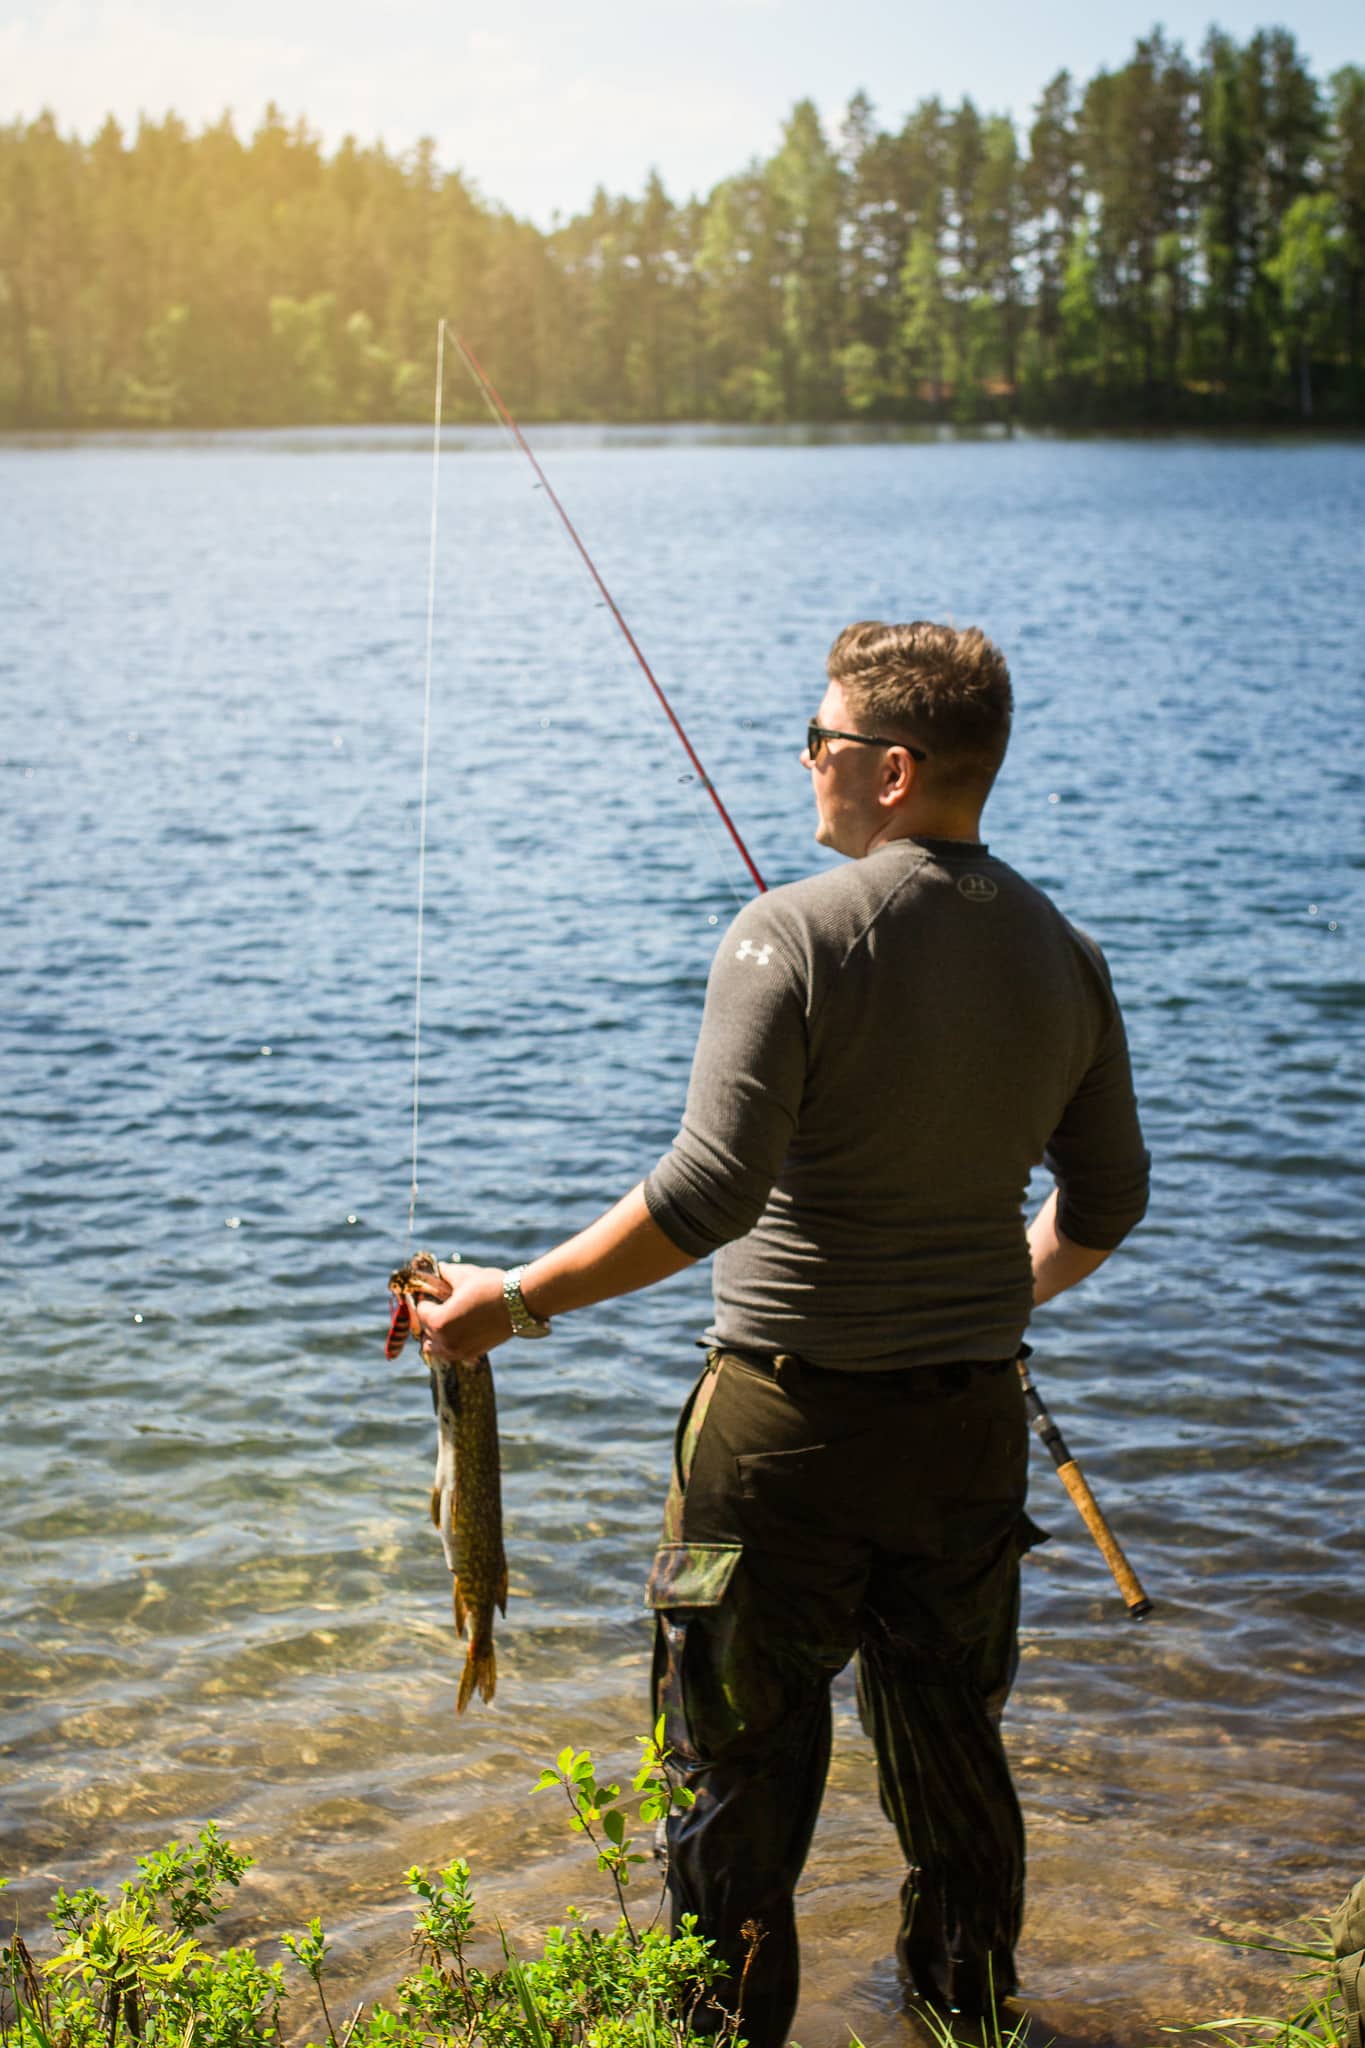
<point x="221" y="1595"/>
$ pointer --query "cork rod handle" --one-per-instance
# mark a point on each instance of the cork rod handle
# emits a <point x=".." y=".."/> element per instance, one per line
<point x="1110" y="1549"/>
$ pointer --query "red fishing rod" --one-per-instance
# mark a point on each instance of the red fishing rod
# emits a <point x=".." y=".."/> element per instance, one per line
<point x="490" y="390"/>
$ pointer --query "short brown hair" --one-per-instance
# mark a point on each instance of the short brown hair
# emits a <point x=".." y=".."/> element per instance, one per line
<point x="949" y="690"/>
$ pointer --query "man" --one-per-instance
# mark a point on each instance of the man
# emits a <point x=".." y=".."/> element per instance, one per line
<point x="887" y="1050"/>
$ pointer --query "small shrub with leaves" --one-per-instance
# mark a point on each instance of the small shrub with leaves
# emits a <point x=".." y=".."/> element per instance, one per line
<point x="135" y="1974"/>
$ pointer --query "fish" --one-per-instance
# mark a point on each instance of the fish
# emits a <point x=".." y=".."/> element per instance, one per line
<point x="466" y="1492"/>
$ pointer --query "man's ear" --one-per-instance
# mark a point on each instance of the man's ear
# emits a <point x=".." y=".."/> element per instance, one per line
<point x="898" y="775"/>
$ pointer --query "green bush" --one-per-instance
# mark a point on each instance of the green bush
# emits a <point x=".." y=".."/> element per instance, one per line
<point x="136" y="1975"/>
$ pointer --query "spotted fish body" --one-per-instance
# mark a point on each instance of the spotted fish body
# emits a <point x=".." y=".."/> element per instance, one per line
<point x="466" y="1493"/>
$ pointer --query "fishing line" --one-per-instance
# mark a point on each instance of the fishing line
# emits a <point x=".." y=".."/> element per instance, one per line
<point x="706" y="819"/>
<point x="426" y="765"/>
<point x="493" y="398"/>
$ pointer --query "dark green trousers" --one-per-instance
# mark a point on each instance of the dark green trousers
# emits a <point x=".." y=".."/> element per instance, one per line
<point x="815" y="1516"/>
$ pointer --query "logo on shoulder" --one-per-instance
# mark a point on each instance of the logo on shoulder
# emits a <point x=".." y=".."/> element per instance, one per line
<point x="977" y="888"/>
<point x="749" y="951"/>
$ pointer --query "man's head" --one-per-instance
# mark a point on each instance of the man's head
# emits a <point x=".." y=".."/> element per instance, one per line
<point x="923" y="689"/>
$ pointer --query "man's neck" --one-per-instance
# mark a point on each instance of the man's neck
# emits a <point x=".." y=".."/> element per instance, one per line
<point x="956" y="825"/>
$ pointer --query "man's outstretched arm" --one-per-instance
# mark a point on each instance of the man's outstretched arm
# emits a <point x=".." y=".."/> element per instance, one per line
<point x="621" y="1252"/>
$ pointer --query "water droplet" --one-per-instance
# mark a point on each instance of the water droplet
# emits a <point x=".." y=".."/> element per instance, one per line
<point x="233" y="1222"/>
<point x="1312" y="910"/>
<point x="265" y="1052"/>
<point x="137" y="1318"/>
<point x="713" y="920"/>
<point x="1054" y="797"/>
<point x="544" y="722"/>
<point x="1331" y="924"/>
<point x="350" y="1219"/>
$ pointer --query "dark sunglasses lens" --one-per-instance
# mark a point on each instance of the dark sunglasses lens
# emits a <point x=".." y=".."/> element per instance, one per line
<point x="814" y="742"/>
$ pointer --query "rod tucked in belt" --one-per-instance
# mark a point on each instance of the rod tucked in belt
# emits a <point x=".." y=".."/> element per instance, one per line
<point x="1073" y="1479"/>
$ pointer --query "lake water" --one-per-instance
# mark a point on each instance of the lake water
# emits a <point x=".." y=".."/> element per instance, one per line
<point x="221" y="1594"/>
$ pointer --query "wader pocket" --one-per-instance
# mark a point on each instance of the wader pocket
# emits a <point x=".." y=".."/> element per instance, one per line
<point x="687" y="1584"/>
<point x="777" y="1472"/>
<point x="691" y="1574"/>
<point x="719" y="1687"/>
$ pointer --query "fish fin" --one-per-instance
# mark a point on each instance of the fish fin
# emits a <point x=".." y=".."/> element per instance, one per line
<point x="461" y="1611"/>
<point x="436" y="1505"/>
<point x="481" y="1670"/>
<point x="500" y="1595"/>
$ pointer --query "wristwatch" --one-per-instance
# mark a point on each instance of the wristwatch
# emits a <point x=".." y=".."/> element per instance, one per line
<point x="524" y="1324"/>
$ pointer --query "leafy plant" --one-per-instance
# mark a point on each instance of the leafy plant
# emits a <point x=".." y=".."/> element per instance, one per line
<point x="135" y="1971"/>
<point x="135" y="1974"/>
<point x="596" y="1814"/>
<point x="191" y="1880"/>
<point x="308" y="1950"/>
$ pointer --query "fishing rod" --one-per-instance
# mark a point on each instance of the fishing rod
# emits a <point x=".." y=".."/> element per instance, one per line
<point x="1087" y="1507"/>
<point x="490" y="391"/>
<point x="1068" y="1471"/>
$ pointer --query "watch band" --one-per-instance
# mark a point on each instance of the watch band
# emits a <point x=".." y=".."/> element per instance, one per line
<point x="524" y="1324"/>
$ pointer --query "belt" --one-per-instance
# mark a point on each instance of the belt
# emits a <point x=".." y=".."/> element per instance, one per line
<point x="911" y="1382"/>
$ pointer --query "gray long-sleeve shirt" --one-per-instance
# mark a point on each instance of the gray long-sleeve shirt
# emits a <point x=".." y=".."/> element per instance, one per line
<point x="888" y="1049"/>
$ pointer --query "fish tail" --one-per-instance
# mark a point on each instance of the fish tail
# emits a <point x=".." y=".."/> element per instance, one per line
<point x="480" y="1669"/>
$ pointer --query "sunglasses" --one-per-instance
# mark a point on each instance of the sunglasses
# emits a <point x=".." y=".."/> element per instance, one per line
<point x="816" y="735"/>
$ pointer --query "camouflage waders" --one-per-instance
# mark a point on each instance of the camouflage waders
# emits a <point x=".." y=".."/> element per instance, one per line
<point x="1348" y="1944"/>
<point x="814" y="1515"/>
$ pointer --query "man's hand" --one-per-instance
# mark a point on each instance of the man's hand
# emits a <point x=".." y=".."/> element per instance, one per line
<point x="469" y="1322"/>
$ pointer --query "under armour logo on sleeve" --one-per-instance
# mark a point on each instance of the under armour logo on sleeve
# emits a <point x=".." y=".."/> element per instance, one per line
<point x="749" y="951"/>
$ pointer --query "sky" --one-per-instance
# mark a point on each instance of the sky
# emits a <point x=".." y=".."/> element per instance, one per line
<point x="542" y="100"/>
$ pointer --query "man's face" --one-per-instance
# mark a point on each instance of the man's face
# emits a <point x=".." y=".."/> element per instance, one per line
<point x="844" y="778"/>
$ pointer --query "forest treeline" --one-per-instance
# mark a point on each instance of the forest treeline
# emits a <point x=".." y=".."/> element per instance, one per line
<point x="1175" y="241"/>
